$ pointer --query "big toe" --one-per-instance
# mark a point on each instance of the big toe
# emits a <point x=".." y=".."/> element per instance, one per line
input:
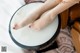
<point x="16" y="26"/>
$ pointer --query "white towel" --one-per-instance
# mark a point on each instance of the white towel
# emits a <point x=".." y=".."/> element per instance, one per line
<point x="7" y="9"/>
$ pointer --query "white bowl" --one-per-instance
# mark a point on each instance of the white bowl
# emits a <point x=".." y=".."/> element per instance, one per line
<point x="26" y="37"/>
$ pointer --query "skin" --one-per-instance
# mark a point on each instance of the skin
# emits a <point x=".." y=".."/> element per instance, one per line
<point x="47" y="12"/>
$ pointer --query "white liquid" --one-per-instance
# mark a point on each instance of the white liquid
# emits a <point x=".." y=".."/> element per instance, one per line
<point x="30" y="37"/>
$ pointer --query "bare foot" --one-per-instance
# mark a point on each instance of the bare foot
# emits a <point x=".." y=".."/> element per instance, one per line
<point x="31" y="18"/>
<point x="44" y="20"/>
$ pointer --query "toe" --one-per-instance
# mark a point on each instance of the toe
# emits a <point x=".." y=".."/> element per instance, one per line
<point x="16" y="26"/>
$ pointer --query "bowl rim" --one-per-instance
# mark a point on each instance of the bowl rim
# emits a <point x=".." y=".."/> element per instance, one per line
<point x="38" y="47"/>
